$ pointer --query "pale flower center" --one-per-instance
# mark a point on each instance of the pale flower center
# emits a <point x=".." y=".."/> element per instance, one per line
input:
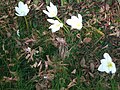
<point x="22" y="11"/>
<point x="58" y="25"/>
<point x="52" y="14"/>
<point x="78" y="25"/>
<point x="109" y="65"/>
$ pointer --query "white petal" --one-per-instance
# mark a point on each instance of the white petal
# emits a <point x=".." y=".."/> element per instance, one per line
<point x="51" y="20"/>
<point x="26" y="9"/>
<point x="101" y="68"/>
<point x="57" y="22"/>
<point x="17" y="9"/>
<point x="75" y="22"/>
<point x="55" y="10"/>
<point x="113" y="70"/>
<point x="61" y="24"/>
<point x="20" y="4"/>
<point x="22" y="9"/>
<point x="107" y="71"/>
<point x="26" y="6"/>
<point x="74" y="18"/>
<point x="110" y="69"/>
<point x="46" y="12"/>
<point x="56" y="28"/>
<point x="80" y="17"/>
<point x="17" y="14"/>
<point x="53" y="28"/>
<point x="53" y="7"/>
<point x="69" y="22"/>
<point x="103" y="61"/>
<point x="26" y="12"/>
<point x="52" y="10"/>
<point x="51" y="4"/>
<point x="49" y="9"/>
<point x="56" y="25"/>
<point x="107" y="57"/>
<point x="79" y="27"/>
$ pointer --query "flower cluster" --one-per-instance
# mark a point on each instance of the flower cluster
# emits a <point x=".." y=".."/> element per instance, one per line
<point x="74" y="22"/>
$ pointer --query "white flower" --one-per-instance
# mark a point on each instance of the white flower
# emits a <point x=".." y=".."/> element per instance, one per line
<point x="22" y="9"/>
<point x="107" y="65"/>
<point x="52" y="10"/>
<point x="75" y="22"/>
<point x="55" y="25"/>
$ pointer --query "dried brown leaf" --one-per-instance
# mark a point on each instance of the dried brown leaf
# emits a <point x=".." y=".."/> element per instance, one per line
<point x="92" y="75"/>
<point x="28" y="55"/>
<point x="8" y="34"/>
<point x="28" y="1"/>
<point x="82" y="62"/>
<point x="74" y="71"/>
<point x="4" y="17"/>
<point x="87" y="40"/>
<point x="12" y="64"/>
<point x="34" y="65"/>
<point x="39" y="63"/>
<point x="40" y="49"/>
<point x="40" y="86"/>
<point x="82" y="79"/>
<point x="37" y="86"/>
<point x="46" y="65"/>
<point x="9" y="79"/>
<point x="61" y="44"/>
<point x="38" y="7"/>
<point x="105" y="7"/>
<point x="29" y="41"/>
<point x="72" y="83"/>
<point x="92" y="66"/>
<point x="40" y="69"/>
<point x="31" y="54"/>
<point x="49" y="61"/>
<point x="63" y="88"/>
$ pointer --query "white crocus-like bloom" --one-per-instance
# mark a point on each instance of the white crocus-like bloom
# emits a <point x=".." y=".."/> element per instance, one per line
<point x="107" y="65"/>
<point x="75" y="22"/>
<point x="52" y="10"/>
<point x="22" y="9"/>
<point x="55" y="25"/>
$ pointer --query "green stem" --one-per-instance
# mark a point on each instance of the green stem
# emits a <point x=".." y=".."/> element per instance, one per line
<point x="62" y="2"/>
<point x="113" y="84"/>
<point x="26" y="23"/>
<point x="65" y="27"/>
<point x="78" y="1"/>
<point x="86" y="28"/>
